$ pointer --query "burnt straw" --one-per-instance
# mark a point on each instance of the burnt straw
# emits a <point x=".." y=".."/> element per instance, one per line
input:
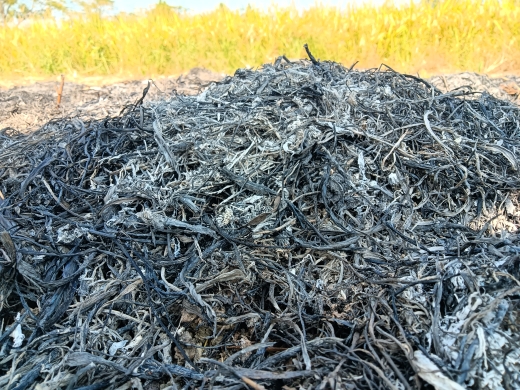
<point x="302" y="224"/>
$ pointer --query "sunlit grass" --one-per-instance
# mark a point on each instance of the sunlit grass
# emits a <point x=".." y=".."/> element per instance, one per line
<point x="428" y="37"/>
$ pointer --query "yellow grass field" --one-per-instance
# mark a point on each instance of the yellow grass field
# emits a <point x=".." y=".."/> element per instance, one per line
<point x="427" y="37"/>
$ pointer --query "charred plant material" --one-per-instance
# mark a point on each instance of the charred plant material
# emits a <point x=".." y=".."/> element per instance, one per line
<point x="297" y="225"/>
<point x="59" y="91"/>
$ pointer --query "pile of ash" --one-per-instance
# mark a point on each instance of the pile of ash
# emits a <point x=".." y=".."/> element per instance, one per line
<point x="299" y="226"/>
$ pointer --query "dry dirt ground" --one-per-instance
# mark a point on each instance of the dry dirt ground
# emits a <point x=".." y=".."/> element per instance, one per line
<point x="26" y="108"/>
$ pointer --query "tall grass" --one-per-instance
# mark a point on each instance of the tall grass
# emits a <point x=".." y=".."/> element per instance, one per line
<point x="426" y="37"/>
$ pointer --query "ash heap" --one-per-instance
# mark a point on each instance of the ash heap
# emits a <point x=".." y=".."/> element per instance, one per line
<point x="299" y="226"/>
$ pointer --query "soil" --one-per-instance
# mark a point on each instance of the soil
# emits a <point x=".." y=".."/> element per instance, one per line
<point x="504" y="87"/>
<point x="26" y="108"/>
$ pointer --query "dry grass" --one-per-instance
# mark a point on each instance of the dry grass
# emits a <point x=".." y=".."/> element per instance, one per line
<point x="429" y="37"/>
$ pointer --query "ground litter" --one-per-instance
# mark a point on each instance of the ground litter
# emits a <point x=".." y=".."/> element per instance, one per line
<point x="303" y="225"/>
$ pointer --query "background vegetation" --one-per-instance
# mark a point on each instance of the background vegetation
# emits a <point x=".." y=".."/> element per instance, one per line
<point x="426" y="37"/>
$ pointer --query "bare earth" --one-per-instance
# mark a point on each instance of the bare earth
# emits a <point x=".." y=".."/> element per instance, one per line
<point x="26" y="108"/>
